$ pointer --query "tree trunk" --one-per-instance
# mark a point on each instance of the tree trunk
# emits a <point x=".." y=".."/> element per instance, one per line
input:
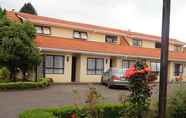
<point x="35" y="70"/>
<point x="13" y="74"/>
<point x="24" y="75"/>
<point x="12" y="71"/>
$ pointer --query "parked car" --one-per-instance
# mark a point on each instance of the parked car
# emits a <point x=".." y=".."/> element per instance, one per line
<point x="114" y="77"/>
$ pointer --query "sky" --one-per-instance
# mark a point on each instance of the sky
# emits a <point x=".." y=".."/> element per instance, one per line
<point x="135" y="15"/>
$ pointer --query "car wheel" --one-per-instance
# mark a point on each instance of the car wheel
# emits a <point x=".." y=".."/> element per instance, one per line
<point x="109" y="85"/>
<point x="102" y="81"/>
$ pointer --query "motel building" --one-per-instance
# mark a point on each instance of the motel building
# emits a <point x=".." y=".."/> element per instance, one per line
<point x="79" y="52"/>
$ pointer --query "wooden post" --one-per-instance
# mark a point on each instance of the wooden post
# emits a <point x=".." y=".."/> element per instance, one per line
<point x="164" y="58"/>
<point x="43" y="66"/>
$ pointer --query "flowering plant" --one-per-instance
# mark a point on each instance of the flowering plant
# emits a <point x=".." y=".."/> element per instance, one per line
<point x="139" y="77"/>
<point x="73" y="115"/>
<point x="139" y="70"/>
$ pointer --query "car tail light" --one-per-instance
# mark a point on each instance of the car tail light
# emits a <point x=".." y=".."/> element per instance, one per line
<point x="115" y="78"/>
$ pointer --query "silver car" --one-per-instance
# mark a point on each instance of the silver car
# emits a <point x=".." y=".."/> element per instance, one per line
<point x="114" y="77"/>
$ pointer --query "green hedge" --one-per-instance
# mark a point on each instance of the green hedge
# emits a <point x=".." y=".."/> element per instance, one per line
<point x="37" y="114"/>
<point x="107" y="110"/>
<point x="25" y="85"/>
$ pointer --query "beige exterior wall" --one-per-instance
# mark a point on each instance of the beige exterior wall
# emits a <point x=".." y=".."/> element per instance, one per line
<point x="68" y="33"/>
<point x="145" y="44"/>
<point x="184" y="72"/>
<point x="171" y="71"/>
<point x="61" y="32"/>
<point x="151" y="44"/>
<point x="129" y="41"/>
<point x="92" y="36"/>
<point x="171" y="47"/>
<point x="84" y="77"/>
<point x="148" y="44"/>
<point x="66" y="77"/>
<point x="81" y="68"/>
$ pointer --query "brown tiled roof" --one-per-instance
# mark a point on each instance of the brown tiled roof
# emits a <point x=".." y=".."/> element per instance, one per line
<point x="51" y="42"/>
<point x="149" y="37"/>
<point x="12" y="15"/>
<point x="41" y="20"/>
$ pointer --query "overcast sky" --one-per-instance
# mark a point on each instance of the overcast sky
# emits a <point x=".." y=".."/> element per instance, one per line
<point x="137" y="15"/>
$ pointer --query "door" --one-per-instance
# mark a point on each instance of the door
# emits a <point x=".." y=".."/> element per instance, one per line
<point x="111" y="63"/>
<point x="73" y="79"/>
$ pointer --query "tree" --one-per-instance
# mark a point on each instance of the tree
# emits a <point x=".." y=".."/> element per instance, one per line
<point x="2" y="13"/>
<point x="30" y="56"/>
<point x="28" y="8"/>
<point x="17" y="49"/>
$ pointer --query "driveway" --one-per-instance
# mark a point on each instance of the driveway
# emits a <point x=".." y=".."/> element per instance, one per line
<point x="13" y="102"/>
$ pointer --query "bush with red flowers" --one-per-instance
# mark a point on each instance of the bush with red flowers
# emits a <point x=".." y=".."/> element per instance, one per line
<point x="139" y="77"/>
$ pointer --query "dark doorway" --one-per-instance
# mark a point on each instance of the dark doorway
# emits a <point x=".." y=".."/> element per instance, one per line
<point x="73" y="79"/>
<point x="110" y="63"/>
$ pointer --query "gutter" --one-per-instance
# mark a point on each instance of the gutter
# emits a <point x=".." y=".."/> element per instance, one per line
<point x="101" y="54"/>
<point x="88" y="52"/>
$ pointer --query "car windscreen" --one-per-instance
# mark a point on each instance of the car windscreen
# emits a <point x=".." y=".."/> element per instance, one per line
<point x="118" y="72"/>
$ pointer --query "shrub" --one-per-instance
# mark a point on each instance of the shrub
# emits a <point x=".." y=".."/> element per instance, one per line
<point x="108" y="110"/>
<point x="4" y="73"/>
<point x="139" y="78"/>
<point x="37" y="114"/>
<point x="177" y="104"/>
<point x="25" y="85"/>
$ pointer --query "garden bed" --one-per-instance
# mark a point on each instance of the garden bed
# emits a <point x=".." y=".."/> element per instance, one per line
<point x="45" y="82"/>
<point x="105" y="110"/>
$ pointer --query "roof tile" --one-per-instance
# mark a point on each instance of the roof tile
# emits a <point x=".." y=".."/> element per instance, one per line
<point x="41" y="20"/>
<point x="90" y="46"/>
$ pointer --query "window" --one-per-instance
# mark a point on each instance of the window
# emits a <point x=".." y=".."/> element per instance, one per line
<point x="39" y="29"/>
<point x="178" y="48"/>
<point x="128" y="63"/>
<point x="46" y="30"/>
<point x="110" y="39"/>
<point x="137" y="43"/>
<point x="95" y="66"/>
<point x="178" y="69"/>
<point x="157" y="45"/>
<point x="80" y="35"/>
<point x="54" y="64"/>
<point x="43" y="30"/>
<point x="155" y="66"/>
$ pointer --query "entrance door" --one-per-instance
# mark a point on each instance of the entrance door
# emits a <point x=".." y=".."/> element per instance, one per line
<point x="73" y="79"/>
<point x="111" y="63"/>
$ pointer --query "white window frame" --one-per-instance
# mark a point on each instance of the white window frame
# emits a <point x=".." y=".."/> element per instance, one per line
<point x="111" y="39"/>
<point x="53" y="68"/>
<point x="156" y="68"/>
<point x="137" y="43"/>
<point x="82" y="35"/>
<point x="95" y="70"/>
<point x="43" y="30"/>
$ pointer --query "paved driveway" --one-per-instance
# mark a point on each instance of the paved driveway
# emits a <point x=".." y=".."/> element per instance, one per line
<point x="13" y="102"/>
